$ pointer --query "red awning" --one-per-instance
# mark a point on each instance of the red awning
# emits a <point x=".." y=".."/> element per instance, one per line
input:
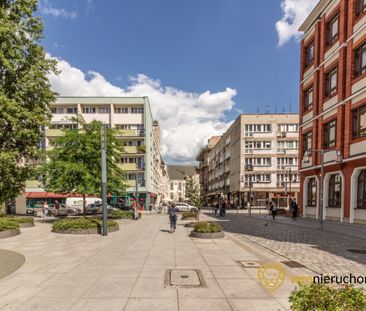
<point x="44" y="195"/>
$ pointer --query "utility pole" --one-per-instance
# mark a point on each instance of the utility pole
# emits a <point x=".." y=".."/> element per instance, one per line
<point x="136" y="194"/>
<point x="104" y="179"/>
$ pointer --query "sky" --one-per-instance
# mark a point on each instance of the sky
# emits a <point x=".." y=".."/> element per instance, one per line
<point x="200" y="62"/>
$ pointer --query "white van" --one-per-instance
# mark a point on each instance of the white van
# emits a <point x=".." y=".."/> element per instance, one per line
<point x="77" y="202"/>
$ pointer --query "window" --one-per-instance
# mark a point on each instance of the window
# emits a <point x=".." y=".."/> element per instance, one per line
<point x="307" y="141"/>
<point x="360" y="60"/>
<point x="330" y="134"/>
<point x="360" y="7"/>
<point x="57" y="110"/>
<point x="335" y="185"/>
<point x="64" y="126"/>
<point x="288" y="127"/>
<point x="312" y="192"/>
<point x="120" y="110"/>
<point x="137" y="110"/>
<point x="332" y="30"/>
<point x="171" y="186"/>
<point x="361" y="190"/>
<point x="89" y="110"/>
<point x="104" y="110"/>
<point x="359" y="122"/>
<point x="309" y="54"/>
<point x="308" y="99"/>
<point x="331" y="82"/>
<point x="72" y="110"/>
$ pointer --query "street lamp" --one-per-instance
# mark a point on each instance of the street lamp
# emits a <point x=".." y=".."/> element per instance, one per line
<point x="306" y="159"/>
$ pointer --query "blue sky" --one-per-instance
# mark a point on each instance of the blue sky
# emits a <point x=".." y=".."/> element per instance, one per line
<point x="191" y="45"/>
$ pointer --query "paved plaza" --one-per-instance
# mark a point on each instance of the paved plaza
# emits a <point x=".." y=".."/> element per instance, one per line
<point x="127" y="270"/>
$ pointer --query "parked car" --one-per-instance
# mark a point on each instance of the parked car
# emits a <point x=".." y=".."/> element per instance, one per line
<point x="185" y="207"/>
<point x="31" y="211"/>
<point x="64" y="210"/>
<point x="96" y="208"/>
<point x="122" y="207"/>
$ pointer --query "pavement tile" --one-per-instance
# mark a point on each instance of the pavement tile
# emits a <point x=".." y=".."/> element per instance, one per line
<point x="256" y="305"/>
<point x="152" y="304"/>
<point x="204" y="305"/>
<point x="151" y="288"/>
<point x="110" y="304"/>
<point x="242" y="288"/>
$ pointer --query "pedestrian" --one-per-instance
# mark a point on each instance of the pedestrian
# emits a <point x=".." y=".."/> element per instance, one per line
<point x="45" y="209"/>
<point x="223" y="207"/>
<point x="173" y="217"/>
<point x="57" y="207"/>
<point x="294" y="208"/>
<point x="273" y="209"/>
<point x="216" y="208"/>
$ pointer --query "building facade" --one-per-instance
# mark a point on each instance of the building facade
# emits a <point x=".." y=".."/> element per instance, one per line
<point x="177" y="182"/>
<point x="255" y="161"/>
<point x="333" y="111"/>
<point x="132" y="118"/>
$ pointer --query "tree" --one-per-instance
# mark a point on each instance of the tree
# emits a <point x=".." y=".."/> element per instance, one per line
<point x="25" y="93"/>
<point x="193" y="193"/>
<point x="73" y="165"/>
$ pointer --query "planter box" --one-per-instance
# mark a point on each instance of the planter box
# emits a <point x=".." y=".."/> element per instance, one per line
<point x="9" y="233"/>
<point x="26" y="224"/>
<point x="86" y="231"/>
<point x="216" y="235"/>
<point x="188" y="218"/>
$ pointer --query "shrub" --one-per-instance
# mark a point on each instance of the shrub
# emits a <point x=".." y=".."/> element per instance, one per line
<point x="6" y="224"/>
<point x="80" y="223"/>
<point x="189" y="214"/>
<point x="120" y="214"/>
<point x="207" y="227"/>
<point x="21" y="220"/>
<point x="324" y="297"/>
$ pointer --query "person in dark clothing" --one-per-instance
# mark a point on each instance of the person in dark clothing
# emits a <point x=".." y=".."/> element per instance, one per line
<point x="273" y="209"/>
<point x="216" y="208"/>
<point x="173" y="217"/>
<point x="294" y="209"/>
<point x="223" y="209"/>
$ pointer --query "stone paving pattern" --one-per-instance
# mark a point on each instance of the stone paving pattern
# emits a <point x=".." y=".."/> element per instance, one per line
<point x="302" y="241"/>
<point x="125" y="271"/>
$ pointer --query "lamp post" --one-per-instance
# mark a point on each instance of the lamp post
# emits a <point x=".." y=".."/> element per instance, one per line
<point x="104" y="179"/>
<point x="306" y="159"/>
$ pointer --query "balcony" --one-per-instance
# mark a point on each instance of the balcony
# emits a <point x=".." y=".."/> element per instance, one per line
<point x="53" y="132"/>
<point x="130" y="167"/>
<point x="281" y="150"/>
<point x="127" y="133"/>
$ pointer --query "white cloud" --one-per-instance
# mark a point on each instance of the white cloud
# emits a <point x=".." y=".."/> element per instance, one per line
<point x="187" y="119"/>
<point x="294" y="14"/>
<point x="47" y="9"/>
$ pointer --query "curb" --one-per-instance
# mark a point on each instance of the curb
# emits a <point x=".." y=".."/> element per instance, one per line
<point x="9" y="233"/>
<point x="215" y="235"/>
<point x="86" y="231"/>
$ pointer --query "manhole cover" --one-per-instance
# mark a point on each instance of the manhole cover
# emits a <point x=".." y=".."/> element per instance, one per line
<point x="357" y="251"/>
<point x="250" y="263"/>
<point x="184" y="278"/>
<point x="293" y="264"/>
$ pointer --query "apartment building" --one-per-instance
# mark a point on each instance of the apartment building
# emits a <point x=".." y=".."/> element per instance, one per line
<point x="255" y="161"/>
<point x="203" y="168"/>
<point x="177" y="182"/>
<point x="133" y="119"/>
<point x="333" y="111"/>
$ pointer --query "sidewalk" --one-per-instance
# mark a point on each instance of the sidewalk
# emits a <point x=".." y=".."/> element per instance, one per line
<point x="127" y="271"/>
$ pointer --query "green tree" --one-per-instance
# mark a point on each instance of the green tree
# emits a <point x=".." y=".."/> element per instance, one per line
<point x="25" y="93"/>
<point x="73" y="164"/>
<point x="193" y="193"/>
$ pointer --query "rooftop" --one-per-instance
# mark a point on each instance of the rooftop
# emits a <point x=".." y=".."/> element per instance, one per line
<point x="180" y="171"/>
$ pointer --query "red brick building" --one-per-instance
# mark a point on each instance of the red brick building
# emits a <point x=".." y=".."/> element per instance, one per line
<point x="333" y="110"/>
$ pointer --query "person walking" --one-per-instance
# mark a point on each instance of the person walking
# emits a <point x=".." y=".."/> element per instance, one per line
<point x="294" y="209"/>
<point x="273" y="209"/>
<point x="45" y="209"/>
<point x="216" y="209"/>
<point x="173" y="217"/>
<point x="223" y="207"/>
<point x="57" y="207"/>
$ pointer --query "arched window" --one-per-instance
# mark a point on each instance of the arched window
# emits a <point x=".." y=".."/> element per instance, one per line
<point x="335" y="191"/>
<point x="312" y="192"/>
<point x="361" y="190"/>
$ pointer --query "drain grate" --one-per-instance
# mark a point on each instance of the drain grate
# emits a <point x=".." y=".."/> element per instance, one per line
<point x="293" y="264"/>
<point x="357" y="251"/>
<point x="250" y="263"/>
<point x="184" y="278"/>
